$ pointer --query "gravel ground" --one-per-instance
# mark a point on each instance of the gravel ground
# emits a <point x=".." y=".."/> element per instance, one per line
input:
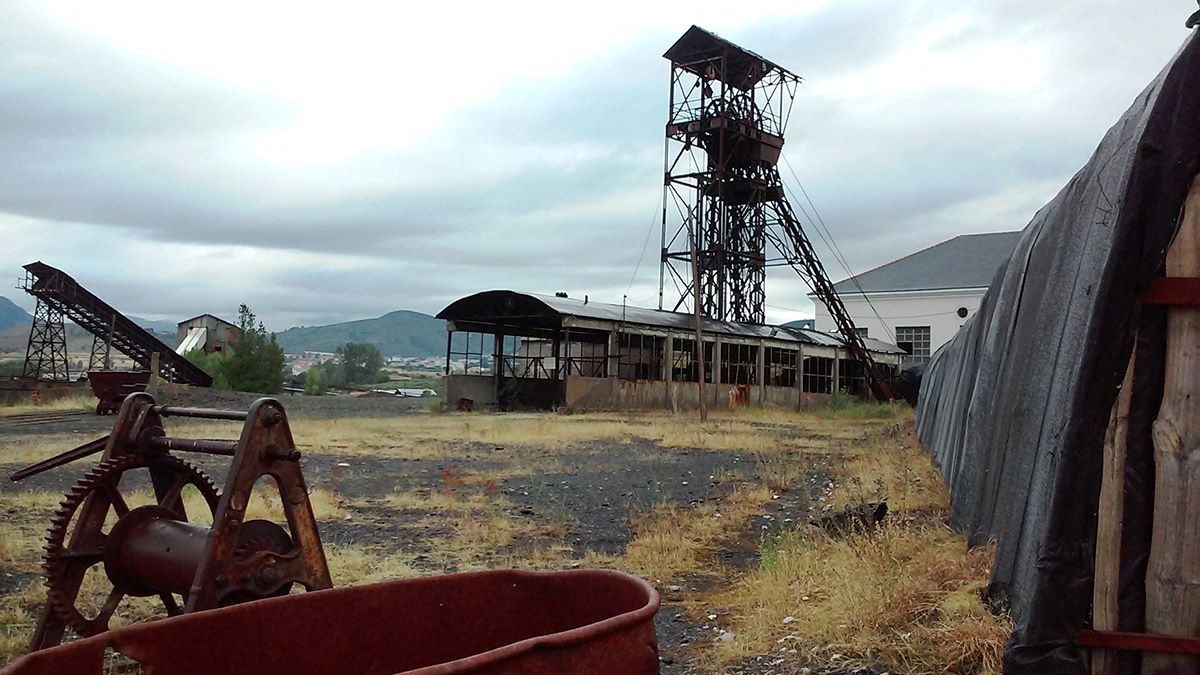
<point x="592" y="490"/>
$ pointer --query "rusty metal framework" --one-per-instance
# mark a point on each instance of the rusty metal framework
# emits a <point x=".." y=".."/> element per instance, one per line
<point x="728" y="112"/>
<point x="63" y="297"/>
<point x="46" y="351"/>
<point x="156" y="549"/>
<point x="723" y="195"/>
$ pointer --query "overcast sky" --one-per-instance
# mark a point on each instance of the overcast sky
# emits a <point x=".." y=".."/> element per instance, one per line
<point x="342" y="162"/>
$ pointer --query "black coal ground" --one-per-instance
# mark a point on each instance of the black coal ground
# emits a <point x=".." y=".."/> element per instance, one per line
<point x="592" y="492"/>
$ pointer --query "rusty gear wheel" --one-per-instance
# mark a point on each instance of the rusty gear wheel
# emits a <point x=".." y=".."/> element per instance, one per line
<point x="69" y="555"/>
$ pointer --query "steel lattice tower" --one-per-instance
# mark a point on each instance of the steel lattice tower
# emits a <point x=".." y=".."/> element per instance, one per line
<point x="46" y="352"/>
<point x="722" y="193"/>
<point x="728" y="111"/>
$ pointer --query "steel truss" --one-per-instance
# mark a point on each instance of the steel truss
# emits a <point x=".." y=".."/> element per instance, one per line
<point x="723" y="193"/>
<point x="46" y="351"/>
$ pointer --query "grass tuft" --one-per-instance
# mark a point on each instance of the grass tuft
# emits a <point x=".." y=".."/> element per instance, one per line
<point x="905" y="596"/>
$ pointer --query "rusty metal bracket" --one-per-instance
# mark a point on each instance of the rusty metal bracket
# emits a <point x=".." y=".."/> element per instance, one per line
<point x="1173" y="291"/>
<point x="1141" y="642"/>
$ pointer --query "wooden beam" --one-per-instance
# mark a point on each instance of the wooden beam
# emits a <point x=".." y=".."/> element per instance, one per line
<point x="1110" y="522"/>
<point x="1173" y="571"/>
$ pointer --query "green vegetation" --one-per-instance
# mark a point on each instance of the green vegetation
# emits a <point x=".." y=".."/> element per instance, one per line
<point x="361" y="363"/>
<point x="254" y="364"/>
<point x="356" y="363"/>
<point x="314" y="382"/>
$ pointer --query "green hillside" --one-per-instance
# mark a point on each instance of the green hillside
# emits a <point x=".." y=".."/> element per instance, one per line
<point x="401" y="333"/>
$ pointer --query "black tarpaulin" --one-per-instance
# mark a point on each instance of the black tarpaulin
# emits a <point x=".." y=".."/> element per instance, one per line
<point x="1014" y="409"/>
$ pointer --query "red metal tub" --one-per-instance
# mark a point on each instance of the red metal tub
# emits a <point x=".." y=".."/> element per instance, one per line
<point x="503" y="621"/>
<point x="112" y="386"/>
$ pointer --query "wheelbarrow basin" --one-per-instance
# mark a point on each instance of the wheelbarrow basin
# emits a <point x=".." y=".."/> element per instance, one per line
<point x="501" y="621"/>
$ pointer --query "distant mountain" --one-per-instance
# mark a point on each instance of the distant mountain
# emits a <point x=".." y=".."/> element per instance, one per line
<point x="401" y="333"/>
<point x="159" y="328"/>
<point x="11" y="315"/>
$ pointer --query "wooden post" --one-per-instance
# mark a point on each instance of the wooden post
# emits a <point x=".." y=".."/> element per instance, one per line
<point x="699" y="335"/>
<point x="1110" y="521"/>
<point x="152" y="384"/>
<point x="1173" y="571"/>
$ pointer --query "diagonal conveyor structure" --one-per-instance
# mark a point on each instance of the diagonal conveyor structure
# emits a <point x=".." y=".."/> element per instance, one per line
<point x="59" y="296"/>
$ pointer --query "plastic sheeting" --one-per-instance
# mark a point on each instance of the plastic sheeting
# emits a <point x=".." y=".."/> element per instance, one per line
<point x="1014" y="408"/>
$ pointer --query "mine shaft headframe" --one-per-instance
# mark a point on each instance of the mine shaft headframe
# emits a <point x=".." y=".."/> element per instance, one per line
<point x="728" y="111"/>
<point x="737" y="73"/>
<point x="154" y="550"/>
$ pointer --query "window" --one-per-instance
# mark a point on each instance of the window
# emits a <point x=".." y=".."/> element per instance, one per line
<point x="640" y="357"/>
<point x="532" y="358"/>
<point x="818" y="375"/>
<point x="684" y="367"/>
<point x="739" y="363"/>
<point x="914" y="340"/>
<point x="862" y="332"/>
<point x="586" y="358"/>
<point x="780" y="365"/>
<point x="470" y="353"/>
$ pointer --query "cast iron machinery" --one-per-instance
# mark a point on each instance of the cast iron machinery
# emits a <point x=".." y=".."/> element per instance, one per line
<point x="158" y="549"/>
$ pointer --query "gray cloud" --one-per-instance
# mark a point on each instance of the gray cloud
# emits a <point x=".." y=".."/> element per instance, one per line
<point x="549" y="184"/>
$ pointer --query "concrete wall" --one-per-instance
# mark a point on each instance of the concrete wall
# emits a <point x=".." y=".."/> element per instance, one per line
<point x="479" y="388"/>
<point x="603" y="393"/>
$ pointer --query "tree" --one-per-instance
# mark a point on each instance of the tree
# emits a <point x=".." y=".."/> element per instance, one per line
<point x="360" y="363"/>
<point x="212" y="363"/>
<point x="314" y="382"/>
<point x="255" y="363"/>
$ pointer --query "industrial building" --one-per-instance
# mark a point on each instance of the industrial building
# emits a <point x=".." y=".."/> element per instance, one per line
<point x="522" y="350"/>
<point x="207" y="332"/>
<point x="920" y="301"/>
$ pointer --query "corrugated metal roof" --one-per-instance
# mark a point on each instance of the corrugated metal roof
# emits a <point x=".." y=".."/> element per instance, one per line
<point x="966" y="261"/>
<point x="744" y="68"/>
<point x="500" y="304"/>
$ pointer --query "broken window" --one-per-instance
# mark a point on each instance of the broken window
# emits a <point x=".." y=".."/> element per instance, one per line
<point x="818" y="375"/>
<point x="914" y="340"/>
<point x="470" y="353"/>
<point x="684" y="367"/>
<point x="639" y="357"/>
<point x="739" y="363"/>
<point x="780" y="367"/>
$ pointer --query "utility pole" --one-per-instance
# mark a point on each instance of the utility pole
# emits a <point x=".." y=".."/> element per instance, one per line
<point x="699" y="334"/>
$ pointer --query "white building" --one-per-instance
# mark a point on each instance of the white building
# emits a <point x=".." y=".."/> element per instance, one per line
<point x="919" y="301"/>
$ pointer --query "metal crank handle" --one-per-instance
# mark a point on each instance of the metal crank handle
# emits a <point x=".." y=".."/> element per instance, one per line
<point x="89" y="448"/>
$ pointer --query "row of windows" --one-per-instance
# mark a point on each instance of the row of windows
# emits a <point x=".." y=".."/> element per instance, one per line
<point x="641" y="357"/>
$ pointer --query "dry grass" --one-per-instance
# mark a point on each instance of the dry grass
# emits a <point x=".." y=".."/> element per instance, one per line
<point x="27" y="449"/>
<point x="18" y="616"/>
<point x="356" y="565"/>
<point x="891" y="467"/>
<point x="27" y="515"/>
<point x="671" y="540"/>
<point x="81" y="402"/>
<point x="905" y="597"/>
